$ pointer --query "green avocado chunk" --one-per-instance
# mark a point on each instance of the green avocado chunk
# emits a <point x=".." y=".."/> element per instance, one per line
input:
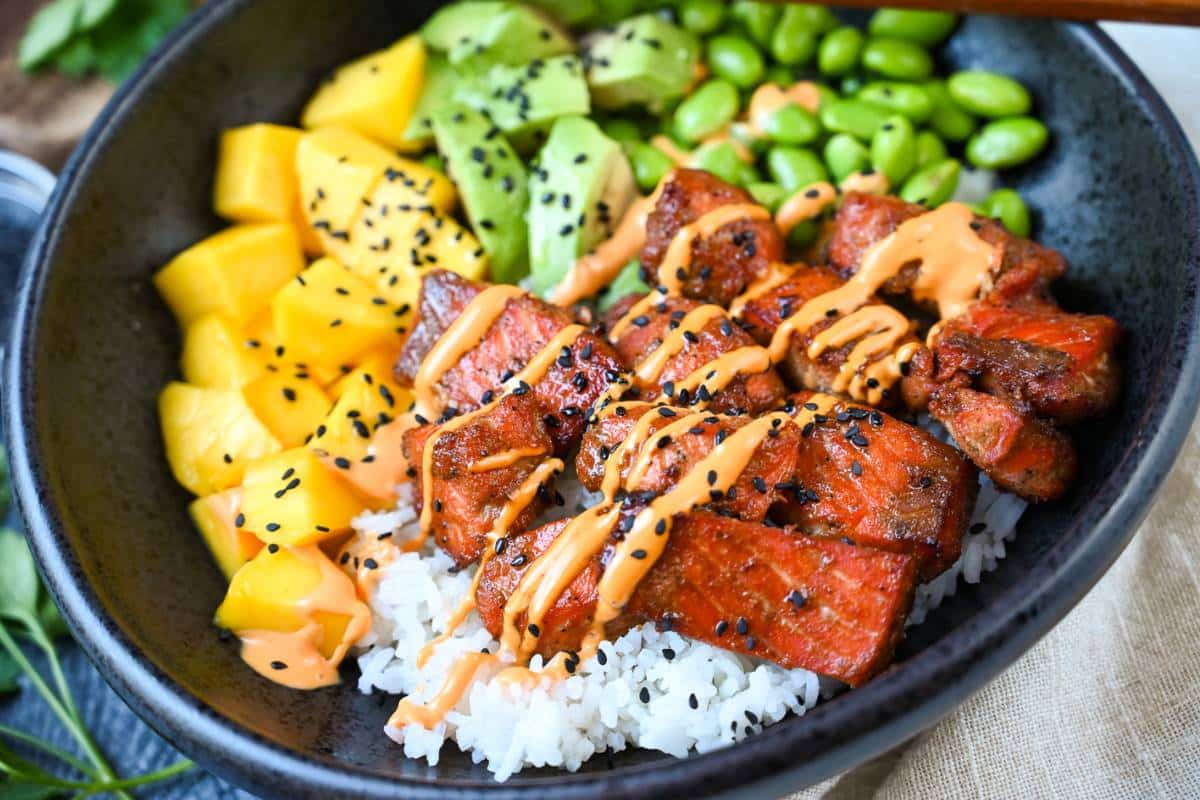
<point x="513" y="35"/>
<point x="569" y="12"/>
<point x="452" y="23"/>
<point x="628" y="281"/>
<point x="493" y="185"/>
<point x="644" y="60"/>
<point x="525" y="100"/>
<point x="580" y="187"/>
<point x="436" y="93"/>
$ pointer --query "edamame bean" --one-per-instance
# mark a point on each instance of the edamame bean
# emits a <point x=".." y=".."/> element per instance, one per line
<point x="804" y="234"/>
<point x="898" y="98"/>
<point x="793" y="42"/>
<point x="851" y="85"/>
<point x="780" y="76"/>
<point x="719" y="158"/>
<point x="950" y="121"/>
<point x="854" y="117"/>
<point x="933" y="185"/>
<point x="894" y="149"/>
<point x="930" y="149"/>
<point x="747" y="174"/>
<point x="621" y="130"/>
<point x="707" y="110"/>
<point x="702" y="16"/>
<point x="649" y="164"/>
<point x="925" y="28"/>
<point x="845" y="155"/>
<point x="736" y="60"/>
<point x="1008" y="207"/>
<point x="768" y="195"/>
<point x="988" y="94"/>
<point x="434" y="162"/>
<point x="792" y="124"/>
<point x="825" y="95"/>
<point x="815" y="17"/>
<point x="1007" y="142"/>
<point x="759" y="19"/>
<point x="795" y="167"/>
<point x="839" y="51"/>
<point x="896" y="58"/>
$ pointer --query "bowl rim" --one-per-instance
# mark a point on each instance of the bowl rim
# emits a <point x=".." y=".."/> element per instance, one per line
<point x="957" y="666"/>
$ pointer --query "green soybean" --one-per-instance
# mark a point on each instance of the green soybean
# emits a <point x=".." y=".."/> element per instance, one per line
<point x="851" y="85"/>
<point x="747" y="174"/>
<point x="780" y="75"/>
<point x="804" y="234"/>
<point x="845" y="155"/>
<point x="759" y="19"/>
<point x="950" y="121"/>
<point x="988" y="94"/>
<point x="434" y="162"/>
<point x="649" y="165"/>
<point x="930" y="149"/>
<point x="839" y="51"/>
<point x="933" y="185"/>
<point x="621" y="130"/>
<point x="1008" y="207"/>
<point x="721" y="159"/>
<point x="792" y="124"/>
<point x="925" y="28"/>
<point x="854" y="117"/>
<point x="814" y="17"/>
<point x="899" y="98"/>
<point x="768" y="195"/>
<point x="894" y="149"/>
<point x="736" y="60"/>
<point x="896" y="58"/>
<point x="702" y="16"/>
<point x="795" y="167"/>
<point x="1006" y="143"/>
<point x="707" y="110"/>
<point x="825" y="95"/>
<point x="793" y="42"/>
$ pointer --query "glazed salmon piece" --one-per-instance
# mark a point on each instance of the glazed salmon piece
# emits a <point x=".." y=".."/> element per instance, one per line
<point x="1062" y="365"/>
<point x="1018" y="451"/>
<point x="576" y="378"/>
<point x="768" y="592"/>
<point x="700" y="344"/>
<point x="467" y="501"/>
<point x="723" y="264"/>
<point x="764" y="483"/>
<point x="870" y="479"/>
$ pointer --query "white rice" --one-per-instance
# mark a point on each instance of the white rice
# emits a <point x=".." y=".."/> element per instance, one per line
<point x="656" y="690"/>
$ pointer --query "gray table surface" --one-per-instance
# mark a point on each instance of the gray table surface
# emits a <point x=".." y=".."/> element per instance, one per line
<point x="1169" y="56"/>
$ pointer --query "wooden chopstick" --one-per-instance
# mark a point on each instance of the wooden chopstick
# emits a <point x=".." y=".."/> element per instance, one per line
<point x="1178" y="12"/>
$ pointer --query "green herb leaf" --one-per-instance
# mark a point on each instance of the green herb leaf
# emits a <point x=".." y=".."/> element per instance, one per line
<point x="18" y="790"/>
<point x="50" y="618"/>
<point x="9" y="672"/>
<point x="49" y="30"/>
<point x="94" y="12"/>
<point x="132" y="32"/>
<point x="18" y="576"/>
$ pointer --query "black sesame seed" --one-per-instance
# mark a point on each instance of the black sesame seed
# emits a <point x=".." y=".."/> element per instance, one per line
<point x="644" y="695"/>
<point x="278" y="665"/>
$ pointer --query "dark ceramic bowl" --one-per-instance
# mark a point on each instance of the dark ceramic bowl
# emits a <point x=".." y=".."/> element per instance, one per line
<point x="92" y="346"/>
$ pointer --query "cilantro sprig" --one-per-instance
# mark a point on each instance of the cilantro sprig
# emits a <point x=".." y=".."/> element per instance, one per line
<point x="109" y="37"/>
<point x="30" y="622"/>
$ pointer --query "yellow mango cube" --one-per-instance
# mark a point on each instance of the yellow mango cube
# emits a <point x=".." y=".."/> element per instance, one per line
<point x="330" y="317"/>
<point x="256" y="174"/>
<point x="270" y="592"/>
<point x="374" y="367"/>
<point x="216" y="353"/>
<point x="291" y="498"/>
<point x="339" y="170"/>
<point x="234" y="272"/>
<point x="216" y="516"/>
<point x="289" y="402"/>
<point x="211" y="435"/>
<point x="374" y="95"/>
<point x="367" y="402"/>
<point x="266" y="343"/>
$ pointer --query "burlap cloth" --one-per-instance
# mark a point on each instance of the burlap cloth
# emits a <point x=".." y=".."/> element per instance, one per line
<point x="1106" y="706"/>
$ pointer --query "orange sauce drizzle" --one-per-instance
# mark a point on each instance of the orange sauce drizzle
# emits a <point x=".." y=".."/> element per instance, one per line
<point x="597" y="269"/>
<point x="673" y="343"/>
<point x="769" y="98"/>
<point x="678" y="257"/>
<point x="720" y="372"/>
<point x="866" y="183"/>
<point x="431" y="712"/>
<point x="806" y="204"/>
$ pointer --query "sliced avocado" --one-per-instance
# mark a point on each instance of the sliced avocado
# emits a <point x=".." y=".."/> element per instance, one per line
<point x="436" y="93"/>
<point x="524" y="101"/>
<point x="514" y="36"/>
<point x="569" y="12"/>
<point x="580" y="187"/>
<point x="628" y="281"/>
<point x="452" y="23"/>
<point x="642" y="61"/>
<point x="493" y="185"/>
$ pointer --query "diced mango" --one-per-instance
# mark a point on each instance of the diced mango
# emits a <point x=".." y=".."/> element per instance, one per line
<point x="374" y="95"/>
<point x="368" y="401"/>
<point x="291" y="498"/>
<point x="289" y="402"/>
<point x="210" y="436"/>
<point x="331" y="316"/>
<point x="234" y="272"/>
<point x="269" y="594"/>
<point x="338" y="171"/>
<point x="256" y="174"/>
<point x="376" y="479"/>
<point x="374" y="367"/>
<point x="217" y="354"/>
<point x="216" y="517"/>
<point x="262" y="337"/>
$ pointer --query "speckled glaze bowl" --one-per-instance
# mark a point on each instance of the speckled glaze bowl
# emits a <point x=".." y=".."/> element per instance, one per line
<point x="92" y="345"/>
